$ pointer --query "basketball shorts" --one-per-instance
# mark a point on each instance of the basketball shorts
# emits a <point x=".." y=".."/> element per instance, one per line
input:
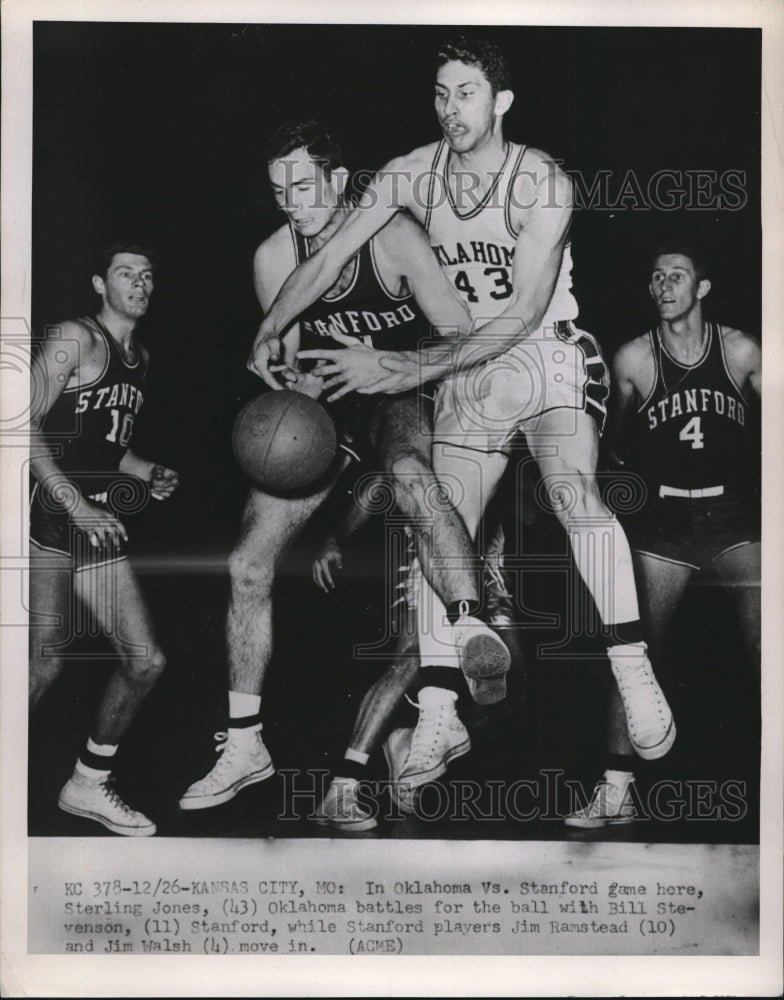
<point x="694" y="532"/>
<point x="358" y="420"/>
<point x="557" y="367"/>
<point x="52" y="530"/>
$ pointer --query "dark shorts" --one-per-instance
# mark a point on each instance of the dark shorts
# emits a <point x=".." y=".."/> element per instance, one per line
<point x="360" y="417"/>
<point x="694" y="532"/>
<point x="51" y="529"/>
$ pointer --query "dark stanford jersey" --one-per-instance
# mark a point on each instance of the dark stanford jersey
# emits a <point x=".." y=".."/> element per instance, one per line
<point x="89" y="426"/>
<point x="365" y="309"/>
<point x="692" y="432"/>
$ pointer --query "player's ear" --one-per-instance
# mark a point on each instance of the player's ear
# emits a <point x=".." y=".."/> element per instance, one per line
<point x="99" y="284"/>
<point x="503" y="102"/>
<point x="340" y="180"/>
<point x="703" y="288"/>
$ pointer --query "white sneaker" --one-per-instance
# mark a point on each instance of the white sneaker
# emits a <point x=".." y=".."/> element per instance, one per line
<point x="438" y="738"/>
<point x="484" y="659"/>
<point x="610" y="805"/>
<point x="342" y="809"/>
<point x="649" y="720"/>
<point x="243" y="762"/>
<point x="397" y="747"/>
<point x="98" y="800"/>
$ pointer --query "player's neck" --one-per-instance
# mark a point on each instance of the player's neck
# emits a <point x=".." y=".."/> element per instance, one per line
<point x="486" y="157"/>
<point x="120" y="327"/>
<point x="314" y="242"/>
<point x="685" y="337"/>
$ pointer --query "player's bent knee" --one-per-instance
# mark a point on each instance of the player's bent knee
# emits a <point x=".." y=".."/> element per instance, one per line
<point x="576" y="496"/>
<point x="412" y="476"/>
<point x="250" y="571"/>
<point x="144" y="671"/>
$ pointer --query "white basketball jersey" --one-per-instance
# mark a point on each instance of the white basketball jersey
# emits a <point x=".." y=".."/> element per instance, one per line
<point x="475" y="247"/>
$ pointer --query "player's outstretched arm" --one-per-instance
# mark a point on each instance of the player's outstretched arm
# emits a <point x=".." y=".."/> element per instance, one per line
<point x="53" y="368"/>
<point x="316" y="275"/>
<point x="404" y="252"/>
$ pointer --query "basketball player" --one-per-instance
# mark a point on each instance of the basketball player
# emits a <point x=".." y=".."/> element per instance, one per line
<point x="379" y="296"/>
<point x="683" y="393"/>
<point x="497" y="215"/>
<point x="88" y="387"/>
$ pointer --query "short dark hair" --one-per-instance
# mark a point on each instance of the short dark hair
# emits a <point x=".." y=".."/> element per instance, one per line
<point x="477" y="52"/>
<point x="685" y="249"/>
<point x="105" y="256"/>
<point x="321" y="145"/>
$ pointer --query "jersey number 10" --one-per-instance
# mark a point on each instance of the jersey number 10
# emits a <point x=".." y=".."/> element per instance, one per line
<point x="121" y="433"/>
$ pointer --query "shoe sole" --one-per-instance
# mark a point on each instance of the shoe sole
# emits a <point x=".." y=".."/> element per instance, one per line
<point x="208" y="801"/>
<point x="653" y="753"/>
<point x="595" y="824"/>
<point x="356" y="827"/>
<point x="123" y="831"/>
<point x="485" y="663"/>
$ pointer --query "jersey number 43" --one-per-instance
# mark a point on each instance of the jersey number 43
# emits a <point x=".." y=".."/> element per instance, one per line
<point x="501" y="287"/>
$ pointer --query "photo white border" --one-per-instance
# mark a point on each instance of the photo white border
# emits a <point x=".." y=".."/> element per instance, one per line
<point x="39" y="975"/>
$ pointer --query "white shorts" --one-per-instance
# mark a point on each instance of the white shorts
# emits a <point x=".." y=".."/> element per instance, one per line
<point x="558" y="366"/>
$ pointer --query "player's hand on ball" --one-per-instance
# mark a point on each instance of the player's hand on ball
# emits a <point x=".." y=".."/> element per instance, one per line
<point x="266" y="350"/>
<point x="353" y="368"/>
<point x="327" y="561"/>
<point x="163" y="482"/>
<point x="308" y="383"/>
<point x="102" y="528"/>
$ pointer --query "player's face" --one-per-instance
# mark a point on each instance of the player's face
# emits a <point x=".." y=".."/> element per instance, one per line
<point x="465" y="105"/>
<point x="127" y="286"/>
<point x="675" y="287"/>
<point x="303" y="191"/>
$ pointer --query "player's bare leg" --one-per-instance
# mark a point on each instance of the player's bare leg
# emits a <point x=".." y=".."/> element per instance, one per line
<point x="403" y="440"/>
<point x="660" y="586"/>
<point x="565" y="443"/>
<point x="51" y="608"/>
<point x="111" y="594"/>
<point x="470" y="479"/>
<point x="341" y="807"/>
<point x="270" y="525"/>
<point x="740" y="570"/>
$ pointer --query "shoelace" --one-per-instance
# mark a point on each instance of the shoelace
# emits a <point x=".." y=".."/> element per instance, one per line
<point x="222" y="739"/>
<point x="110" y="792"/>
<point x="420" y="750"/>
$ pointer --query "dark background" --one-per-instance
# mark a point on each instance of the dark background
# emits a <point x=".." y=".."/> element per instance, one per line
<point x="156" y="132"/>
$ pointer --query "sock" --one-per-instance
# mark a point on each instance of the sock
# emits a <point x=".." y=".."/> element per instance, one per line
<point x="447" y="679"/>
<point x="244" y="715"/>
<point x="349" y="768"/>
<point x="462" y="609"/>
<point x="627" y="653"/>
<point x="432" y="697"/>
<point x="623" y="634"/>
<point x="95" y="761"/>
<point x="619" y="775"/>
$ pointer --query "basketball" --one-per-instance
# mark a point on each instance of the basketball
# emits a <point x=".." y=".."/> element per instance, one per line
<point x="284" y="441"/>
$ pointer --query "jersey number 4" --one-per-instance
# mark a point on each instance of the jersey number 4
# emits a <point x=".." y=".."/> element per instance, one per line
<point x="692" y="433"/>
<point x="502" y="287"/>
